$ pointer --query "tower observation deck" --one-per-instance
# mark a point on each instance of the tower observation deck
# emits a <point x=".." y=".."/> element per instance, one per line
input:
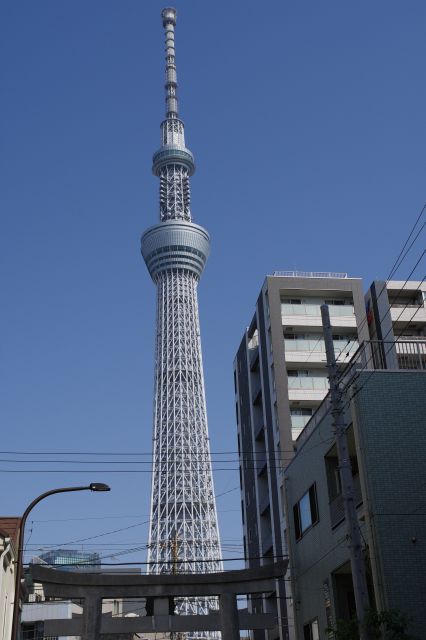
<point x="183" y="534"/>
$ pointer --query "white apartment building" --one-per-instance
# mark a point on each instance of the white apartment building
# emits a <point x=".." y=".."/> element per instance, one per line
<point x="280" y="380"/>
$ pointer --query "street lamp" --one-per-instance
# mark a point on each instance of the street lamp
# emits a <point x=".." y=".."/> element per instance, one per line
<point x="94" y="486"/>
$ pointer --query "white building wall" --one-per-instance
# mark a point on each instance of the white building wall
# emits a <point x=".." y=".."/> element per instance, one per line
<point x="7" y="586"/>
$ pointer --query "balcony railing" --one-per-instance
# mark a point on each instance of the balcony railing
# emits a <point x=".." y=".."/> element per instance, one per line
<point x="411" y="354"/>
<point x="392" y="354"/>
<point x="314" y="310"/>
<point x="408" y="313"/>
<point x="299" y="422"/>
<point x="318" y="346"/>
<point x="311" y="383"/>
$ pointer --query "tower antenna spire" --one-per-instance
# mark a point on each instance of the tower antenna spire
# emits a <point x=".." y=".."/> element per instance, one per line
<point x="169" y="22"/>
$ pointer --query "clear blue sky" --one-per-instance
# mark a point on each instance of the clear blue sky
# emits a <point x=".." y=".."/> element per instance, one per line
<point x="307" y="121"/>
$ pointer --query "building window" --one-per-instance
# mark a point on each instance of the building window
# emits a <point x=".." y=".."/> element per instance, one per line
<point x="305" y="512"/>
<point x="311" y="630"/>
<point x="305" y="411"/>
<point x="337" y="302"/>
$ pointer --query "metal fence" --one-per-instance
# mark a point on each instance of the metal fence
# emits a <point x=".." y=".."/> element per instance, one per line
<point x="389" y="354"/>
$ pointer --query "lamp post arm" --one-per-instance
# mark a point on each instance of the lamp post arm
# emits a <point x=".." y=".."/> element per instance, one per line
<point x="35" y="502"/>
<point x="15" y="621"/>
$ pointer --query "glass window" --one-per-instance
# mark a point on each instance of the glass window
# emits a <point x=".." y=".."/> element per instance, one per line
<point x="301" y="412"/>
<point x="305" y="512"/>
<point x="298" y="373"/>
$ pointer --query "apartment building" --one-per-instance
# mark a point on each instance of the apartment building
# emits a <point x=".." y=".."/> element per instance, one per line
<point x="386" y="432"/>
<point x="280" y="380"/>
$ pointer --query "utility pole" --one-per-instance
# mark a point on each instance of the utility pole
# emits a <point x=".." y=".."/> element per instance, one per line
<point x="174" y="543"/>
<point x="362" y="601"/>
<point x="175" y="635"/>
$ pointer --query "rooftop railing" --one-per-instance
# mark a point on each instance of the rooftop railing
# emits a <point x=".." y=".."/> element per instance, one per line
<point x="310" y="274"/>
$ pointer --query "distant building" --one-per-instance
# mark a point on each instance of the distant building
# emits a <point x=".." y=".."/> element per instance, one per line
<point x="70" y="559"/>
<point x="35" y="611"/>
<point x="386" y="430"/>
<point x="280" y="380"/>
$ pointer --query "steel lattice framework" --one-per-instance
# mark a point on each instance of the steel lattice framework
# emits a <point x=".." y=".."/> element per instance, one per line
<point x="184" y="534"/>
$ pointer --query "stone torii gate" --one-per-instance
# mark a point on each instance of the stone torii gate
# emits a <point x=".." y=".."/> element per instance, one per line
<point x="93" y="587"/>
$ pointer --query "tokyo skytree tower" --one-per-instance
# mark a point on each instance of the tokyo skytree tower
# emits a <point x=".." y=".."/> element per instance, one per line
<point x="184" y="534"/>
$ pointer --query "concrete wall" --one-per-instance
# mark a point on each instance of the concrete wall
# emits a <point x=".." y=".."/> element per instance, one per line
<point x="7" y="585"/>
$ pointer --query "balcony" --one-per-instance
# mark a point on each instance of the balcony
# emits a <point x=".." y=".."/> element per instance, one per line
<point x="337" y="509"/>
<point x="299" y="422"/>
<point x="267" y="544"/>
<point x="295" y="432"/>
<point x="256" y="391"/>
<point x="310" y="315"/>
<point x="404" y="314"/>
<point x="308" y="382"/>
<point x="307" y="388"/>
<point x="264" y="504"/>
<point x="303" y="350"/>
<point x="411" y="354"/>
<point x="404" y="353"/>
<point x="261" y="467"/>
<point x="253" y="357"/>
<point x="258" y="430"/>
